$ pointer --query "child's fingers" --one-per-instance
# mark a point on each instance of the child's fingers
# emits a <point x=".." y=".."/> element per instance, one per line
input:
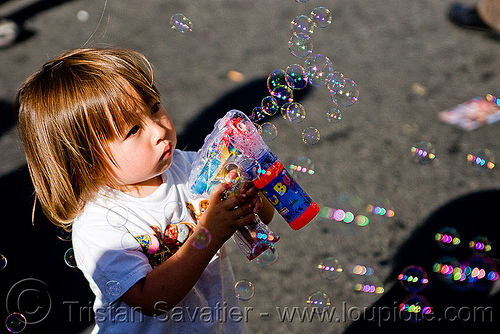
<point x="216" y="192"/>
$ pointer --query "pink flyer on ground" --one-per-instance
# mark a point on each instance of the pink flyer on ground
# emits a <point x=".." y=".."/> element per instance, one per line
<point x="472" y="114"/>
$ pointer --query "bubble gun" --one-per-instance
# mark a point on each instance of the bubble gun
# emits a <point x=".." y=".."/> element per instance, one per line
<point x="235" y="141"/>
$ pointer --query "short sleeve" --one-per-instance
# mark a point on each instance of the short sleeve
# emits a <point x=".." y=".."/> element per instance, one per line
<point x="108" y="254"/>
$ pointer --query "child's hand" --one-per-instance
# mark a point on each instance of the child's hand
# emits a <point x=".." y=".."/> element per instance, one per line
<point x="224" y="216"/>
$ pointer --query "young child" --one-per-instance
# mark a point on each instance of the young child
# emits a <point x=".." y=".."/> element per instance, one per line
<point x="101" y="151"/>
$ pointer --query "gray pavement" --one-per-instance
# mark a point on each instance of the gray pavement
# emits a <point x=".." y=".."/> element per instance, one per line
<point x="409" y="63"/>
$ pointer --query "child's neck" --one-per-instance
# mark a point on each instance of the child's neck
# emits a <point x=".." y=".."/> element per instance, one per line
<point x="142" y="189"/>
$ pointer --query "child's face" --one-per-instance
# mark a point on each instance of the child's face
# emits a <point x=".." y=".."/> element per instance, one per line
<point x="145" y="152"/>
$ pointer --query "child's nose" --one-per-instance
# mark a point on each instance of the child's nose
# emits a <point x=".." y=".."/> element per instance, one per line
<point x="159" y="132"/>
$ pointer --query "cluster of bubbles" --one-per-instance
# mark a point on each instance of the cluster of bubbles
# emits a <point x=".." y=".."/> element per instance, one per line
<point x="414" y="306"/>
<point x="351" y="209"/>
<point x="316" y="70"/>
<point x="476" y="272"/>
<point x="480" y="159"/>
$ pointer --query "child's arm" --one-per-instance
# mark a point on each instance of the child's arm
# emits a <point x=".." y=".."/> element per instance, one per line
<point x="170" y="282"/>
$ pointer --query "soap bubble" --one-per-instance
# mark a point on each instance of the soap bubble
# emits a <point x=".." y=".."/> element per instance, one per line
<point x="423" y="152"/>
<point x="335" y="81"/>
<point x="330" y="268"/>
<point x="15" y="322"/>
<point x="279" y="78"/>
<point x="310" y="135"/>
<point x="414" y="308"/>
<point x="300" y="45"/>
<point x="181" y="23"/>
<point x="82" y="15"/>
<point x="201" y="238"/>
<point x="3" y="262"/>
<point x="413" y="279"/>
<point x="481" y="159"/>
<point x="446" y="268"/>
<point x="69" y="258"/>
<point x="318" y="69"/>
<point x="447" y="237"/>
<point x="117" y="216"/>
<point x="302" y="24"/>
<point x="301" y="1"/>
<point x="321" y="16"/>
<point x="481" y="272"/>
<point x="368" y="285"/>
<point x="300" y="167"/>
<point x="257" y="114"/>
<point x="282" y="94"/>
<point x="294" y="112"/>
<point x="244" y="289"/>
<point x="298" y="75"/>
<point x="334" y="115"/>
<point x="347" y="95"/>
<point x="318" y="301"/>
<point x="265" y="257"/>
<point x="480" y="244"/>
<point x="269" y="106"/>
<point x="113" y="288"/>
<point x="269" y="132"/>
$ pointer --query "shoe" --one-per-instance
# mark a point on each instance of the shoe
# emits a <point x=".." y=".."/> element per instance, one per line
<point x="467" y="17"/>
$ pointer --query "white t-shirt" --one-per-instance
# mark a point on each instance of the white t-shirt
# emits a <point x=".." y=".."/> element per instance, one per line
<point x="119" y="239"/>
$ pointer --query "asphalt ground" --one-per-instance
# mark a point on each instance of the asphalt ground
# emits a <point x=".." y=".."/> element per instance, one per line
<point x="409" y="63"/>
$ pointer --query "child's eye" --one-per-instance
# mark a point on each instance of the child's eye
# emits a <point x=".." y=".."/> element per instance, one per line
<point x="155" y="108"/>
<point x="132" y="131"/>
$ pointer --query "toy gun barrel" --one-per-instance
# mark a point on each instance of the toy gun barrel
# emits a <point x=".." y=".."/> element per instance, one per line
<point x="285" y="194"/>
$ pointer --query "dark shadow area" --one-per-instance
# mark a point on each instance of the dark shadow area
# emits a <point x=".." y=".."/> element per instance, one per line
<point x="7" y="116"/>
<point x="21" y="15"/>
<point x="459" y="305"/>
<point x="244" y="98"/>
<point x="37" y="282"/>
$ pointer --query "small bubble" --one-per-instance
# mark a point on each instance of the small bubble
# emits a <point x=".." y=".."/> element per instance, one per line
<point x="117" y="216"/>
<point x="266" y="253"/>
<point x="413" y="278"/>
<point x="447" y="238"/>
<point x="310" y="135"/>
<point x="321" y="16"/>
<point x="300" y="45"/>
<point x="423" y="152"/>
<point x="347" y="95"/>
<point x="113" y="288"/>
<point x="270" y="106"/>
<point x="481" y="160"/>
<point x="3" y="262"/>
<point x="301" y="167"/>
<point x="302" y="24"/>
<point x="335" y="81"/>
<point x="269" y="132"/>
<point x="279" y="78"/>
<point x="330" y="268"/>
<point x="15" y="322"/>
<point x="294" y="112"/>
<point x="298" y="75"/>
<point x="83" y="16"/>
<point x="480" y="244"/>
<point x="334" y="115"/>
<point x="282" y="94"/>
<point x="413" y="308"/>
<point x="244" y="290"/>
<point x="257" y="114"/>
<point x="318" y="301"/>
<point x="181" y="23"/>
<point x="318" y="69"/>
<point x="69" y="258"/>
<point x="201" y="238"/>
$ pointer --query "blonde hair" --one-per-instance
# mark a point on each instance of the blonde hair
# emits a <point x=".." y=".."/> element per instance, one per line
<point x="69" y="111"/>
